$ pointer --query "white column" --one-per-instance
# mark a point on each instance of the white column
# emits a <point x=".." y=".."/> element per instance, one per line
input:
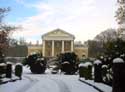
<point x="43" y="50"/>
<point x="72" y="46"/>
<point x="62" y="46"/>
<point x="52" y="48"/>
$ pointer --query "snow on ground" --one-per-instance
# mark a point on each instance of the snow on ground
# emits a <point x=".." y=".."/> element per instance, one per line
<point x="58" y="83"/>
<point x="50" y="83"/>
<point x="18" y="86"/>
<point x="101" y="86"/>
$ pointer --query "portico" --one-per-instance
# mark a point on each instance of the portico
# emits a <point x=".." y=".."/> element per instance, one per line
<point x="57" y="41"/>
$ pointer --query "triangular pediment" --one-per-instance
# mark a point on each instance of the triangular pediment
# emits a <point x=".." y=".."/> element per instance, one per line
<point x="58" y="32"/>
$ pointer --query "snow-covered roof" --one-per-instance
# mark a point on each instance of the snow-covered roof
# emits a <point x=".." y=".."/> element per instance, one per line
<point x="118" y="60"/>
<point x="58" y="34"/>
<point x="58" y="30"/>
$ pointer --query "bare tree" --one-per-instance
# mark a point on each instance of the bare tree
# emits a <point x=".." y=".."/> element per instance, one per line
<point x="98" y="43"/>
<point x="107" y="35"/>
<point x="5" y="31"/>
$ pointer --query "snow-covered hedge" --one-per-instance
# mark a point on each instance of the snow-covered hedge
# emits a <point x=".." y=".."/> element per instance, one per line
<point x="118" y="75"/>
<point x="104" y="66"/>
<point x="2" y="64"/>
<point x="118" y="60"/>
<point x="97" y="62"/>
<point x="2" y="69"/>
<point x="19" y="64"/>
<point x="97" y="71"/>
<point x="18" y="70"/>
<point x="9" y="70"/>
<point x="85" y="70"/>
<point x="85" y="64"/>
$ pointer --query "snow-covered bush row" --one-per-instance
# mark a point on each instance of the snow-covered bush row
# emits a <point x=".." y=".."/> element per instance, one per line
<point x="6" y="70"/>
<point x="102" y="72"/>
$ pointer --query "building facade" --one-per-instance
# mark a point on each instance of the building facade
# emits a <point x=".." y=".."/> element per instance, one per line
<point x="80" y="49"/>
<point x="56" y="42"/>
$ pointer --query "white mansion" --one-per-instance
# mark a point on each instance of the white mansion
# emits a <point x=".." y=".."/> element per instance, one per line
<point x="59" y="41"/>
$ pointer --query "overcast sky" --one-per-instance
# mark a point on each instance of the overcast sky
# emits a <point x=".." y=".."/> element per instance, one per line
<point x="82" y="18"/>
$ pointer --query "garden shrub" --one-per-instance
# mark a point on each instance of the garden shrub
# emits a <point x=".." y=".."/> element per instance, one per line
<point x="36" y="63"/>
<point x="68" y="62"/>
<point x="98" y="71"/>
<point x="18" y="70"/>
<point x="85" y="70"/>
<point x="8" y="70"/>
<point x="2" y="69"/>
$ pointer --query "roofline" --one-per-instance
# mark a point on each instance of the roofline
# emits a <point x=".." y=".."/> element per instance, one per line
<point x="60" y="30"/>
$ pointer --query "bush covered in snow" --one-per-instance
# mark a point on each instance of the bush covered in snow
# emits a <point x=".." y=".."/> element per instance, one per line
<point x="118" y="75"/>
<point x="103" y="70"/>
<point x="97" y="62"/>
<point x="18" y="70"/>
<point x="8" y="70"/>
<point x="2" y="69"/>
<point x="68" y="62"/>
<point x="118" y="60"/>
<point x="97" y="71"/>
<point x="85" y="70"/>
<point x="36" y="62"/>
<point x="106" y="76"/>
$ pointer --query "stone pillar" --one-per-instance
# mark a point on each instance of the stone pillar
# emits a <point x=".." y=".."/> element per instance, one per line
<point x="62" y="46"/>
<point x="72" y="46"/>
<point x="53" y="48"/>
<point x="43" y="50"/>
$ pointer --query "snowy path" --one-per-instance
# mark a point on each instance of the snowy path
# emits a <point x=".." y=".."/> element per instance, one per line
<point x="18" y="85"/>
<point x="59" y="83"/>
<point x="27" y="86"/>
<point x="50" y="83"/>
<point x="62" y="86"/>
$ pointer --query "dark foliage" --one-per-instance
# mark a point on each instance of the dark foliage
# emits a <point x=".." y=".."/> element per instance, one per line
<point x="115" y="49"/>
<point x="85" y="71"/>
<point x="68" y="62"/>
<point x="8" y="70"/>
<point x="118" y="77"/>
<point x="2" y="70"/>
<point x="36" y="62"/>
<point x="97" y="72"/>
<point x="18" y="70"/>
<point x="112" y="49"/>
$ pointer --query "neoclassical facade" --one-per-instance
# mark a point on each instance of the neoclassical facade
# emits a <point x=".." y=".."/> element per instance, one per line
<point x="57" y="41"/>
